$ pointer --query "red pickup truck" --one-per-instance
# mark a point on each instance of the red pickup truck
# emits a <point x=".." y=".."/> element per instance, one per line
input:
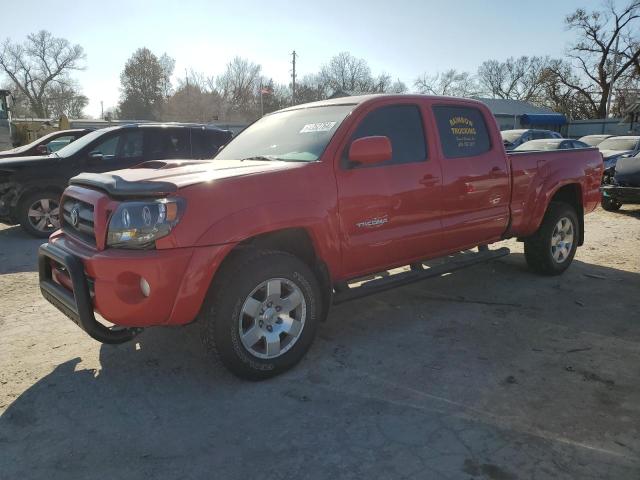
<point x="258" y="243"/>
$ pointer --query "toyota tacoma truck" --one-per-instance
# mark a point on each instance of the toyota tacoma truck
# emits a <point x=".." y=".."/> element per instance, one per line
<point x="296" y="211"/>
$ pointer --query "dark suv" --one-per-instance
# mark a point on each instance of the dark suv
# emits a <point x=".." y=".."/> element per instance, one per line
<point x="30" y="187"/>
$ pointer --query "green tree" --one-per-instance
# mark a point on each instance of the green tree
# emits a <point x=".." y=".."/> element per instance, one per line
<point x="143" y="86"/>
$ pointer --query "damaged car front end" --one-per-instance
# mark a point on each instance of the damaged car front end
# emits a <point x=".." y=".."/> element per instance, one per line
<point x="9" y="195"/>
<point x="621" y="184"/>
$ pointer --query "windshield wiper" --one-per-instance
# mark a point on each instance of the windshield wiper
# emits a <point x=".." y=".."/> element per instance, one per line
<point x="263" y="158"/>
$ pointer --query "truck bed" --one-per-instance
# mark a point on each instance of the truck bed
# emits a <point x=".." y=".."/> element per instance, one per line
<point x="534" y="173"/>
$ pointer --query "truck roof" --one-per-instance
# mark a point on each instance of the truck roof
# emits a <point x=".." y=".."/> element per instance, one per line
<point x="361" y="99"/>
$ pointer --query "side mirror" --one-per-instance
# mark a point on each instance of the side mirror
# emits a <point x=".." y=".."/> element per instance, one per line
<point x="95" y="156"/>
<point x="370" y="150"/>
<point x="42" y="150"/>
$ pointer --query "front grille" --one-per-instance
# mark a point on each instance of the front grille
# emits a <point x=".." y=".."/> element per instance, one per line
<point x="77" y="219"/>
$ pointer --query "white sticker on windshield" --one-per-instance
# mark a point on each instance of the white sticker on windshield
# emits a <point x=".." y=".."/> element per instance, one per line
<point x="317" y="127"/>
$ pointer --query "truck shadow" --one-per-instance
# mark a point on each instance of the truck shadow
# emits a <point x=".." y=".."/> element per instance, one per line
<point x="158" y="406"/>
<point x="15" y="239"/>
<point x="630" y="211"/>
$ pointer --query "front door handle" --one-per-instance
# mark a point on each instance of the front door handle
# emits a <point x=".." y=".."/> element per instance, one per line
<point x="429" y="180"/>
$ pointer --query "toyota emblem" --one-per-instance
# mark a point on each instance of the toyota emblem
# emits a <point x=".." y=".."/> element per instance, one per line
<point x="75" y="216"/>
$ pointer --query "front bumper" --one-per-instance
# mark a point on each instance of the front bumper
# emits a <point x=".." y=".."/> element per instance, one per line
<point x="622" y="194"/>
<point x="81" y="281"/>
<point x="77" y="303"/>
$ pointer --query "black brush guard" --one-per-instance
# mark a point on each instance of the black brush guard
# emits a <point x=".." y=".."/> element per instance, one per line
<point x="76" y="305"/>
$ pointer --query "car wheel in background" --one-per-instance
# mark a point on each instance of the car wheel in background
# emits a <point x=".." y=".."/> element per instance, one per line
<point x="609" y="204"/>
<point x="39" y="213"/>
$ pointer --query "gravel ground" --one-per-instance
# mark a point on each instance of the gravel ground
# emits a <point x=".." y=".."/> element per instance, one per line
<point x="487" y="373"/>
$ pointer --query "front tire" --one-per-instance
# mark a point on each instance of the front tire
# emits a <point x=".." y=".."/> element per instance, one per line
<point x="39" y="213"/>
<point x="551" y="249"/>
<point x="610" y="205"/>
<point x="261" y="314"/>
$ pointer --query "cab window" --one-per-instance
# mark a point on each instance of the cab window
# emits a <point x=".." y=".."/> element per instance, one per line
<point x="463" y="131"/>
<point x="402" y="124"/>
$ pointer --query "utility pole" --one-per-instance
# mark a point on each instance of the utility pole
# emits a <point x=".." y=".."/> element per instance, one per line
<point x="293" y="78"/>
<point x="613" y="72"/>
<point x="261" y="102"/>
<point x="101" y="109"/>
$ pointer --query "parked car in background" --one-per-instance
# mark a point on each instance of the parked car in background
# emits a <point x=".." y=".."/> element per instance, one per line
<point x="30" y="187"/>
<point x="621" y="183"/>
<point x="615" y="147"/>
<point x="594" y="140"/>
<point x="331" y="192"/>
<point x="46" y="144"/>
<point x="513" y="138"/>
<point x="551" y="144"/>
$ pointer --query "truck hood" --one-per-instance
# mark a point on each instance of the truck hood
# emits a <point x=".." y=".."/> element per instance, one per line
<point x="159" y="177"/>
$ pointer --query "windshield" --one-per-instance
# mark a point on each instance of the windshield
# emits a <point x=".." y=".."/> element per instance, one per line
<point x="619" y="144"/>
<point x="538" y="145"/>
<point x="511" y="136"/>
<point x="75" y="147"/>
<point x="295" y="135"/>
<point x="42" y="139"/>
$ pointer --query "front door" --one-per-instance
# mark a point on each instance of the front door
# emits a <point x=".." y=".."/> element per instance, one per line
<point x="121" y="149"/>
<point x="389" y="212"/>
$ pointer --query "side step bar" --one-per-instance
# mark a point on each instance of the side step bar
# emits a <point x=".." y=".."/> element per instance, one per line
<point x="405" y="278"/>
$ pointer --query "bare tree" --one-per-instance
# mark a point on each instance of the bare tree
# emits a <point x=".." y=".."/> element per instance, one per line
<point x="398" y="87"/>
<point x="347" y="73"/>
<point x="192" y="103"/>
<point x="310" y="89"/>
<point x="239" y="84"/>
<point x="40" y="63"/>
<point x="63" y="99"/>
<point x="451" y="82"/>
<point x="515" y="78"/>
<point x="608" y="50"/>
<point x="167" y="64"/>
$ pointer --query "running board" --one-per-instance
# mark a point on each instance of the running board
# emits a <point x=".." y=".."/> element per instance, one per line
<point x="400" y="279"/>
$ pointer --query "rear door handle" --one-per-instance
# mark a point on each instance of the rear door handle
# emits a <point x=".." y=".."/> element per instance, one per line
<point x="429" y="180"/>
<point x="496" y="170"/>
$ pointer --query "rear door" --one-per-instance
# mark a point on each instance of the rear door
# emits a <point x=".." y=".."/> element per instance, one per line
<point x="205" y="143"/>
<point x="166" y="143"/>
<point x="389" y="212"/>
<point x="475" y="177"/>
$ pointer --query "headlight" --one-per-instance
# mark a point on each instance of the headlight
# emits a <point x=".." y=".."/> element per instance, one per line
<point x="140" y="224"/>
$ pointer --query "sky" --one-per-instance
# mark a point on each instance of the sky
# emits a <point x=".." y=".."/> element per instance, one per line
<point x="403" y="38"/>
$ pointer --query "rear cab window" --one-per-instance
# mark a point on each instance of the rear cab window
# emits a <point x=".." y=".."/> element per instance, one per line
<point x="463" y="131"/>
<point x="404" y="127"/>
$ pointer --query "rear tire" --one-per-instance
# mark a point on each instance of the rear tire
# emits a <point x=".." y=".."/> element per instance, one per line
<point x="39" y="213"/>
<point x="261" y="313"/>
<point x="551" y="249"/>
<point x="610" y="205"/>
